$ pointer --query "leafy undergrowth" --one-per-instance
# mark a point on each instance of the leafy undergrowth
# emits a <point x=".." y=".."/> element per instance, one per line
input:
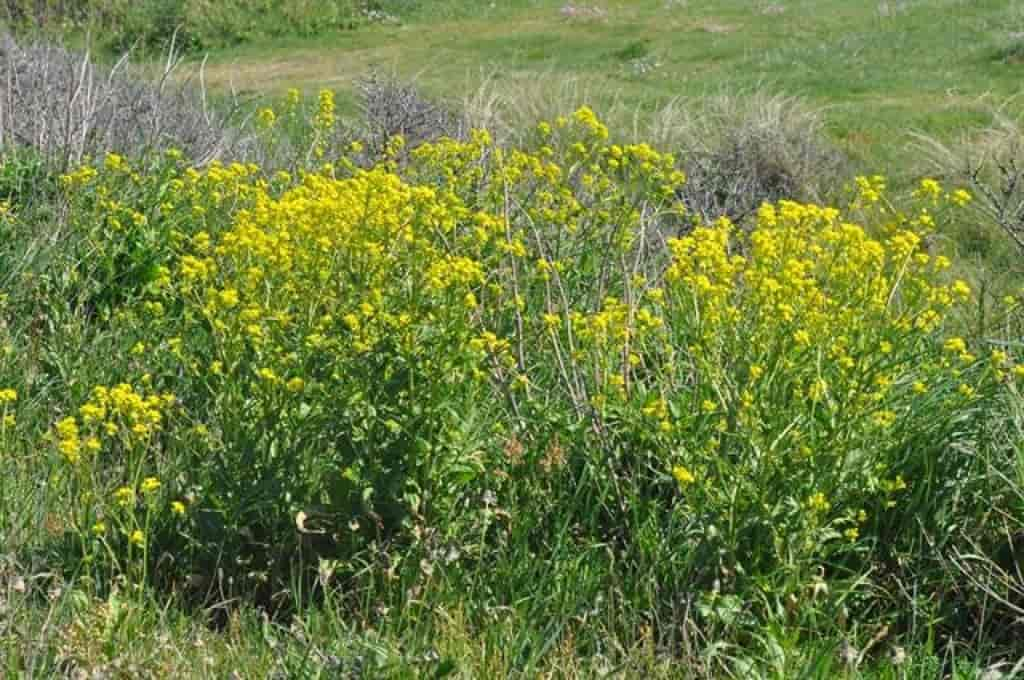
<point x="473" y="409"/>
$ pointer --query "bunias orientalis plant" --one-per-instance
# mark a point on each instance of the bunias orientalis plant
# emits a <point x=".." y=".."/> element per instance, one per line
<point x="367" y="354"/>
<point x="112" y="452"/>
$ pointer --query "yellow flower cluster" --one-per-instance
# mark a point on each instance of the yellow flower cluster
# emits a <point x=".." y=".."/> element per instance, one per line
<point x="807" y="274"/>
<point x="266" y="118"/>
<point x="8" y="396"/>
<point x="793" y="345"/>
<point x="118" y="413"/>
<point x="683" y="476"/>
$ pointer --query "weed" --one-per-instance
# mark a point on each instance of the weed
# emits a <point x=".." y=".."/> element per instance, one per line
<point x="636" y="50"/>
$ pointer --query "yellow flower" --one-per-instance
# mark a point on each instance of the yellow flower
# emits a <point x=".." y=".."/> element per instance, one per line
<point x="266" y="118"/>
<point x="961" y="197"/>
<point x="114" y="162"/>
<point x="929" y="188"/>
<point x="894" y="485"/>
<point x="955" y="345"/>
<point x="228" y="298"/>
<point x="71" y="448"/>
<point x="817" y="502"/>
<point x="324" y="118"/>
<point x="8" y="396"/>
<point x="884" y="418"/>
<point x="683" y="476"/>
<point x="67" y="428"/>
<point x="99" y="528"/>
<point x="137" y="538"/>
<point x="818" y="389"/>
<point x="296" y="385"/>
<point x="124" y="496"/>
<point x="961" y="289"/>
<point x="177" y="508"/>
<point x="149" y="485"/>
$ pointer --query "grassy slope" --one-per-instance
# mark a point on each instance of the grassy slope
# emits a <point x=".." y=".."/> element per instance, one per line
<point x="924" y="65"/>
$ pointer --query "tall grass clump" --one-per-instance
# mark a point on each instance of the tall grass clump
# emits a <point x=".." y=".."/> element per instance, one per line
<point x="744" y="149"/>
<point x="992" y="163"/>
<point x="521" y="390"/>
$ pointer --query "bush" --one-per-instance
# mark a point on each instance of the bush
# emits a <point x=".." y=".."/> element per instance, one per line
<point x="393" y="108"/>
<point x="992" y="163"/>
<point x="364" y="365"/>
<point x="379" y="372"/>
<point x="68" y="109"/>
<point x="742" y="151"/>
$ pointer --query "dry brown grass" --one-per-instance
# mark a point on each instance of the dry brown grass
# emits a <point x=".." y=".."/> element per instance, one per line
<point x="991" y="162"/>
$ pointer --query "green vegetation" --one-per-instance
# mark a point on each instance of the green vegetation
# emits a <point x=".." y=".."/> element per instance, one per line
<point x="508" y="388"/>
<point x="192" y="24"/>
<point x="917" y="66"/>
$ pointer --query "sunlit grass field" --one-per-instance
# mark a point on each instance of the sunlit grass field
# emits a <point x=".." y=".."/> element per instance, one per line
<point x="881" y="69"/>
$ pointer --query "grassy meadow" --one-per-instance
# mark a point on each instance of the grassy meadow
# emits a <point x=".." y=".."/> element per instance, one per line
<point x="404" y="339"/>
<point x="880" y="69"/>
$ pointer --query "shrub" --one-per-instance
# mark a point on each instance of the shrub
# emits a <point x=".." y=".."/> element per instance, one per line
<point x="742" y="151"/>
<point x="366" y="363"/>
<point x="69" y="109"/>
<point x="992" y="163"/>
<point x="392" y="108"/>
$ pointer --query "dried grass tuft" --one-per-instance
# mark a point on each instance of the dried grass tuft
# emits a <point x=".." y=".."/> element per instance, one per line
<point x="992" y="163"/>
<point x="391" y="107"/>
<point x="66" y="107"/>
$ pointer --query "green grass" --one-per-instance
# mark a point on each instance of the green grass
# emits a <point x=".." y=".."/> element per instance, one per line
<point x="930" y="66"/>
